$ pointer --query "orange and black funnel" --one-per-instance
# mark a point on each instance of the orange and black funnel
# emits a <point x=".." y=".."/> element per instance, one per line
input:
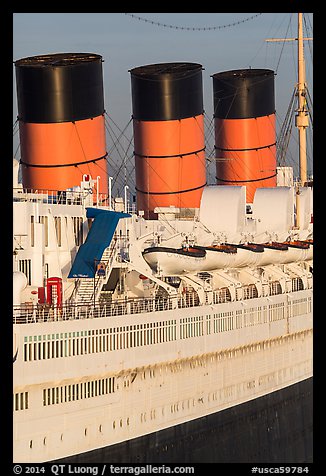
<point x="167" y="103"/>
<point x="61" y="120"/>
<point x="245" y="137"/>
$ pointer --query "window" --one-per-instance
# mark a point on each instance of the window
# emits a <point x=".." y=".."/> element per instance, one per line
<point x="57" y="223"/>
<point x="24" y="266"/>
<point x="21" y="401"/>
<point x="78" y="230"/>
<point x="78" y="391"/>
<point x="32" y="230"/>
<point x="45" y="221"/>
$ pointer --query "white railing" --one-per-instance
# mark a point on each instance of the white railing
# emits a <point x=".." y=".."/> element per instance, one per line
<point x="106" y="307"/>
<point x="103" y="308"/>
<point x="58" y="197"/>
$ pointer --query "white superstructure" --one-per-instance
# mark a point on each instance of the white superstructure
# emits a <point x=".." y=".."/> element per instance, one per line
<point x="137" y="350"/>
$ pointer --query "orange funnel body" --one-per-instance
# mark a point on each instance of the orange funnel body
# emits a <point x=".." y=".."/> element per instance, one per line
<point x="61" y="120"/>
<point x="245" y="136"/>
<point x="168" y="136"/>
<point x="57" y="155"/>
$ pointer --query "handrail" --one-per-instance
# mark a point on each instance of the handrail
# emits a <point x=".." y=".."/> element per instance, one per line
<point x="59" y="197"/>
<point x="29" y="313"/>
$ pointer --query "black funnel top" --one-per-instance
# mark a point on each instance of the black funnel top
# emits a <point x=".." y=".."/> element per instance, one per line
<point x="243" y="93"/>
<point x="59" y="87"/>
<point x="167" y="91"/>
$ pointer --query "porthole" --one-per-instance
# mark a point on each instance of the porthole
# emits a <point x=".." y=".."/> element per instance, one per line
<point x="113" y="424"/>
<point x="100" y="428"/>
<point x="31" y="444"/>
<point x="61" y="437"/>
<point x="85" y="432"/>
<point x="44" y="441"/>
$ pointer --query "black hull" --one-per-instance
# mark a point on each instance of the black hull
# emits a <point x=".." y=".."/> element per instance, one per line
<point x="276" y="428"/>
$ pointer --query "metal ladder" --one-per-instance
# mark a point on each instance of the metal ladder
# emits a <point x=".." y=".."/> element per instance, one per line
<point x="86" y="287"/>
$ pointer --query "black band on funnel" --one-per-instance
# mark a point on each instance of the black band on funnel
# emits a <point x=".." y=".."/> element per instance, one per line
<point x="171" y="193"/>
<point x="74" y="164"/>
<point x="246" y="149"/>
<point x="60" y="87"/>
<point x="169" y="156"/>
<point x="167" y="91"/>
<point x="246" y="181"/>
<point x="244" y="94"/>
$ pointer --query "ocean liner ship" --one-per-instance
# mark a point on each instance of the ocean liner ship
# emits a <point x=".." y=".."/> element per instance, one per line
<point x="178" y="329"/>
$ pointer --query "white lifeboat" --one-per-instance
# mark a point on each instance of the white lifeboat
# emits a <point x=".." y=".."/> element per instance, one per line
<point x="218" y="256"/>
<point x="297" y="251"/>
<point x="274" y="253"/>
<point x="248" y="254"/>
<point x="172" y="261"/>
<point x="175" y="261"/>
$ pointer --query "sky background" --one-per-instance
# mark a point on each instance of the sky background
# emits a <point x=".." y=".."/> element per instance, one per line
<point x="126" y="42"/>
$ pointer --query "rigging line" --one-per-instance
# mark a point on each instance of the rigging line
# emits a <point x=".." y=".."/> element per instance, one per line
<point x="308" y="30"/>
<point x="116" y="142"/>
<point x="287" y="119"/>
<point x="209" y="136"/>
<point x="82" y="148"/>
<point x="15" y="132"/>
<point x="310" y="105"/>
<point x="109" y="128"/>
<point x="208" y="122"/>
<point x="282" y="49"/>
<point x="120" y="168"/>
<point x="188" y="28"/>
<point x="16" y="151"/>
<point x="110" y="120"/>
<point x="117" y="146"/>
<point x="285" y="132"/>
<point x="283" y="145"/>
<point x="115" y="139"/>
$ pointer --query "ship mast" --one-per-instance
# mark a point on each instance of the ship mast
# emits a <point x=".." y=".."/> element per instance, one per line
<point x="302" y="118"/>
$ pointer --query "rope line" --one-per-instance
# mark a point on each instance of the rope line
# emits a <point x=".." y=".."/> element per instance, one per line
<point x="189" y="28"/>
